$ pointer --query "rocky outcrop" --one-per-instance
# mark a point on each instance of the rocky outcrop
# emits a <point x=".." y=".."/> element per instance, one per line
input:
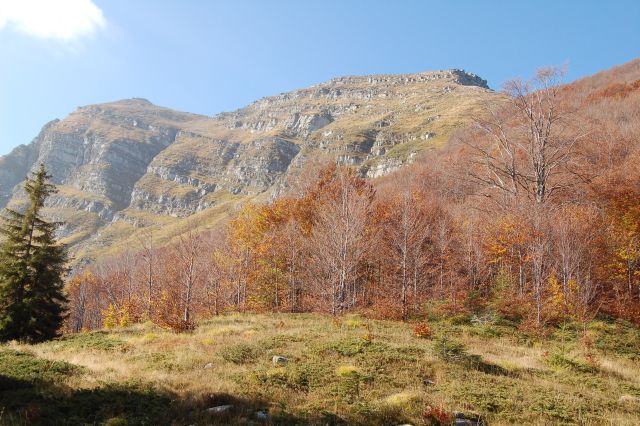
<point x="133" y="162"/>
<point x="15" y="166"/>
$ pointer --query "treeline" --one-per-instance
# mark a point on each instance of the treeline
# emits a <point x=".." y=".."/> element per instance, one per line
<point x="533" y="213"/>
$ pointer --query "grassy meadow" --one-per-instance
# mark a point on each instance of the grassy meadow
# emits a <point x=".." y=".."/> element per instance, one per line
<point x="339" y="371"/>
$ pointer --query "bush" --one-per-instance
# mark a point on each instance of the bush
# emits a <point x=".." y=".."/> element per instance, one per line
<point x="299" y="378"/>
<point x="402" y="400"/>
<point x="240" y="354"/>
<point x="28" y="368"/>
<point x="561" y="359"/>
<point x="349" y="347"/>
<point x="459" y="319"/>
<point x="437" y="416"/>
<point x="422" y="330"/>
<point x="98" y="340"/>
<point x="619" y="338"/>
<point x="347" y="370"/>
<point x="486" y="331"/>
<point x="149" y="337"/>
<point x="449" y="350"/>
<point x="349" y="386"/>
<point x="354" y="322"/>
<point x="452" y="351"/>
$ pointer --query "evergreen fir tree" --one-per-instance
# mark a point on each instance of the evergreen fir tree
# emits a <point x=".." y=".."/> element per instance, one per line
<point x="32" y="301"/>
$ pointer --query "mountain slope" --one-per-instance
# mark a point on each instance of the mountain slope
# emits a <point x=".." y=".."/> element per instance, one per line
<point x="127" y="165"/>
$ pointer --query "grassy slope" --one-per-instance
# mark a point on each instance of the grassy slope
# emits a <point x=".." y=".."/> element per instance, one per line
<point x="346" y="371"/>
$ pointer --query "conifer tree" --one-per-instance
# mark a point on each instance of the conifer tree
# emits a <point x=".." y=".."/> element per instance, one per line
<point x="32" y="301"/>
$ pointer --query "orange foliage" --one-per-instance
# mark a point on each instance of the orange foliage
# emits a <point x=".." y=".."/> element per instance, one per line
<point x="462" y="227"/>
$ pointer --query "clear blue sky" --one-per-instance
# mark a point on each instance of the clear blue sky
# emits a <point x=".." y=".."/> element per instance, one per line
<point x="212" y="56"/>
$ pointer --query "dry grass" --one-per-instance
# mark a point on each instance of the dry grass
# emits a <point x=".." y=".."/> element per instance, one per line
<point x="358" y="370"/>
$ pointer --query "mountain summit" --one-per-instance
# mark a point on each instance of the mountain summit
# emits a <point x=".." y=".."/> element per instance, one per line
<point x="126" y="165"/>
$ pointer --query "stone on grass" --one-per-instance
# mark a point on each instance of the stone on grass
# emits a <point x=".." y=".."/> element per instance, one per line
<point x="208" y="366"/>
<point x="277" y="359"/>
<point x="220" y="409"/>
<point x="462" y="419"/>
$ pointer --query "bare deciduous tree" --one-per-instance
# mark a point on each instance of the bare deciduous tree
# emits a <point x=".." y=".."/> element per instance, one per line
<point x="339" y="240"/>
<point x="531" y="141"/>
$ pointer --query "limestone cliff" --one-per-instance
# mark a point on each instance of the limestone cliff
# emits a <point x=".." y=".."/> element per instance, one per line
<point x="126" y="165"/>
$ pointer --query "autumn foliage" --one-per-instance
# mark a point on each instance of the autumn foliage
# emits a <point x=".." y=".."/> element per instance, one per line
<point x="532" y="214"/>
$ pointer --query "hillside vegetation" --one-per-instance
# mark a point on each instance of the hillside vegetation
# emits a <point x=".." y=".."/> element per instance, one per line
<point x="348" y="370"/>
<point x="510" y="261"/>
<point x="126" y="166"/>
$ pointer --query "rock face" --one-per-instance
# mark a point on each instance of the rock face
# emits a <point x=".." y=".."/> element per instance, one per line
<point x="125" y="165"/>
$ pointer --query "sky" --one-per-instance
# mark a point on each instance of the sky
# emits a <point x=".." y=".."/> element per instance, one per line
<point x="212" y="56"/>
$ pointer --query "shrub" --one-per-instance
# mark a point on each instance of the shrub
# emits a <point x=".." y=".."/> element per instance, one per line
<point x="488" y="318"/>
<point x="590" y="355"/>
<point x="347" y="370"/>
<point x="239" y="354"/>
<point x="449" y="350"/>
<point x="561" y="359"/>
<point x="98" y="340"/>
<point x="354" y="322"/>
<point x="486" y="331"/>
<point x="620" y="338"/>
<point x="422" y="330"/>
<point x="452" y="351"/>
<point x="349" y="386"/>
<point x="349" y="347"/>
<point x="402" y="399"/>
<point x="299" y="378"/>
<point x="437" y="416"/>
<point x="459" y="319"/>
<point x="149" y="337"/>
<point x="114" y="317"/>
<point x="26" y="367"/>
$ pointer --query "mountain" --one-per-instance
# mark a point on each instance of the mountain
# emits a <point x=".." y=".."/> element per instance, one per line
<point x="128" y="165"/>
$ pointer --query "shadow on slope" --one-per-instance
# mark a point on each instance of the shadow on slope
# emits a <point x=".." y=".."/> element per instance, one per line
<point x="33" y="391"/>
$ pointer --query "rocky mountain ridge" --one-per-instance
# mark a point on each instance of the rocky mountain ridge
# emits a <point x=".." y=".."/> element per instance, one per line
<point x="128" y="165"/>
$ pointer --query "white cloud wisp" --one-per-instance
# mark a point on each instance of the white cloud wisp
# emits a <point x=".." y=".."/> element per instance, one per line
<point x="63" y="20"/>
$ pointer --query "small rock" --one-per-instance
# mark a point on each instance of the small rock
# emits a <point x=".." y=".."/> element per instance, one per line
<point x="629" y="398"/>
<point x="261" y="415"/>
<point x="220" y="409"/>
<point x="277" y="359"/>
<point x="462" y="419"/>
<point x="208" y="366"/>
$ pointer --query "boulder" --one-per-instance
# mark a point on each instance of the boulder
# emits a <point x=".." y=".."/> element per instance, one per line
<point x="220" y="409"/>
<point x="279" y="360"/>
<point x="462" y="419"/>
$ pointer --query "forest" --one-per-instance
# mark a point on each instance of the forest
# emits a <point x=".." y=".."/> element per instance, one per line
<point x="532" y="213"/>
